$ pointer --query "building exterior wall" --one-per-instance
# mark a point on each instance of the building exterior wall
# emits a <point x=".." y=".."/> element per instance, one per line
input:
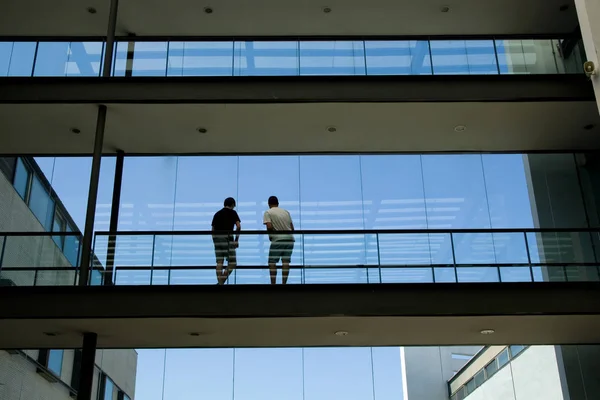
<point x="428" y="370"/>
<point x="19" y="377"/>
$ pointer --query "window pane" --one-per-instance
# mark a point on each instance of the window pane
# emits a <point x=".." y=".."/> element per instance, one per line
<point x="5" y="55"/>
<point x="85" y="59"/>
<point x="21" y="182"/>
<point x="150" y="59"/>
<point x="471" y="386"/>
<point x="449" y="57"/>
<point x="55" y="359"/>
<point x="51" y="59"/>
<point x="479" y="378"/>
<point x="332" y="58"/>
<point x="491" y="368"/>
<point x="516" y="349"/>
<point x="502" y="358"/>
<point x="268" y="374"/>
<point x="266" y="58"/>
<point x="109" y="388"/>
<point x="338" y="373"/>
<point x="21" y="60"/>
<point x="398" y="57"/>
<point x="481" y="57"/>
<point x="40" y="203"/>
<point x="201" y="59"/>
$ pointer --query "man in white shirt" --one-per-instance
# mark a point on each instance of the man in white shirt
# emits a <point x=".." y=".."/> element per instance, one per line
<point x="282" y="244"/>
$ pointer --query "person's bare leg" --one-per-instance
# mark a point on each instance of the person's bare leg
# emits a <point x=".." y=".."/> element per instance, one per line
<point x="285" y="272"/>
<point x="220" y="280"/>
<point x="273" y="272"/>
<point x="230" y="267"/>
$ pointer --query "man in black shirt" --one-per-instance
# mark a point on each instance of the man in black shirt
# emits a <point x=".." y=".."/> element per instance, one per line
<point x="225" y="245"/>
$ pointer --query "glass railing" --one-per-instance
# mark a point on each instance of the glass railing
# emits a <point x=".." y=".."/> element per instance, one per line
<point x="292" y="58"/>
<point x="39" y="258"/>
<point x="317" y="257"/>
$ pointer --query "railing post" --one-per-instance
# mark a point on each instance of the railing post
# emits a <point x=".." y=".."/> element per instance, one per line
<point x="114" y="219"/>
<point x="378" y="258"/>
<point x="97" y="157"/>
<point x="88" y="359"/>
<point x="453" y="257"/>
<point x="528" y="257"/>
<point x="152" y="260"/>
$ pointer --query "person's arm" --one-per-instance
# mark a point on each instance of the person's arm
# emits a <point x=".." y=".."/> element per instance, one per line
<point x="291" y="222"/>
<point x="238" y="227"/>
<point x="267" y="221"/>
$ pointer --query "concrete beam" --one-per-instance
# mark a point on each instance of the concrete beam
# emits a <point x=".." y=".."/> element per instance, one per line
<point x="440" y="88"/>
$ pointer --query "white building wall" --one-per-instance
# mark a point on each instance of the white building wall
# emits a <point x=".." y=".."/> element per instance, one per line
<point x="428" y="370"/>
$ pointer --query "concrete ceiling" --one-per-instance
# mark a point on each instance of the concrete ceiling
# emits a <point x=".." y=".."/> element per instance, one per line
<point x="300" y="332"/>
<point x="287" y="17"/>
<point x="301" y="128"/>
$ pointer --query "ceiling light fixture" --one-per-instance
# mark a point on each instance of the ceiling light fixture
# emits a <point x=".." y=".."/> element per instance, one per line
<point x="50" y="334"/>
<point x="331" y="129"/>
<point x="589" y="127"/>
<point x="445" y="9"/>
<point x="460" y="128"/>
<point x="75" y="131"/>
<point x="487" y="331"/>
<point x="326" y="10"/>
<point x="92" y="10"/>
<point x="202" y="130"/>
<point x="341" y="333"/>
<point x="564" y="7"/>
<point x="195" y="334"/>
<point x="208" y="10"/>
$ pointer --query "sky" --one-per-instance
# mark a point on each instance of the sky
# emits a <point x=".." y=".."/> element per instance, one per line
<point x="321" y="192"/>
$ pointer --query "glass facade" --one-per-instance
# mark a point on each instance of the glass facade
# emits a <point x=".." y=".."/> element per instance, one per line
<point x="291" y="58"/>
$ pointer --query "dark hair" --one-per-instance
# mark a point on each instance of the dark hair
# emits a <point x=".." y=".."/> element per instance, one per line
<point x="229" y="202"/>
<point x="273" y="201"/>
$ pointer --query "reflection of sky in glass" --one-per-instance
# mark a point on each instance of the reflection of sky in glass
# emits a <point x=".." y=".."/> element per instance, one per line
<point x="286" y="58"/>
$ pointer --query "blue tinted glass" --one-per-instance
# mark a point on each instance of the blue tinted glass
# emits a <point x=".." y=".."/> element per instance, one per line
<point x="85" y="59"/>
<point x="109" y="388"/>
<point x="120" y="64"/>
<point x="40" y="203"/>
<point x="150" y="59"/>
<point x="332" y="58"/>
<point x="398" y="58"/>
<point x="51" y="59"/>
<point x="481" y="57"/>
<point x="55" y="360"/>
<point x="21" y="181"/>
<point x="21" y="60"/>
<point x="449" y="57"/>
<point x="200" y="59"/>
<point x="5" y="54"/>
<point x="266" y="58"/>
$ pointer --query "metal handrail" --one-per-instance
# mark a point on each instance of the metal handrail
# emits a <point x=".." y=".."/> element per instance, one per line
<point x="349" y="231"/>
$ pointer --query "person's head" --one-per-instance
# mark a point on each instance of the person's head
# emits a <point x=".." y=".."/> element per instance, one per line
<point x="273" y="202"/>
<point x="229" y="202"/>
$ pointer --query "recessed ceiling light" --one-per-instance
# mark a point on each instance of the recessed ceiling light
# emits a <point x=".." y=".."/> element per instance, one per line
<point x="194" y="333"/>
<point x="564" y="7"/>
<point x="202" y="130"/>
<point x="331" y="129"/>
<point x="208" y="10"/>
<point x="341" y="333"/>
<point x="326" y="10"/>
<point x="76" y="131"/>
<point x="460" y="128"/>
<point x="444" y="9"/>
<point x="92" y="10"/>
<point x="50" y="334"/>
<point x="589" y="127"/>
<point x="487" y="331"/>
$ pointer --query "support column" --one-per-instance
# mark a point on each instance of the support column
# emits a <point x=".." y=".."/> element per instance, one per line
<point x="88" y="360"/>
<point x="114" y="219"/>
<point x="88" y="233"/>
<point x="588" y="12"/>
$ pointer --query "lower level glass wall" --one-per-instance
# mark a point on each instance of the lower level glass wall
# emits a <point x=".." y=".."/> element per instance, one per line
<point x="516" y="372"/>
